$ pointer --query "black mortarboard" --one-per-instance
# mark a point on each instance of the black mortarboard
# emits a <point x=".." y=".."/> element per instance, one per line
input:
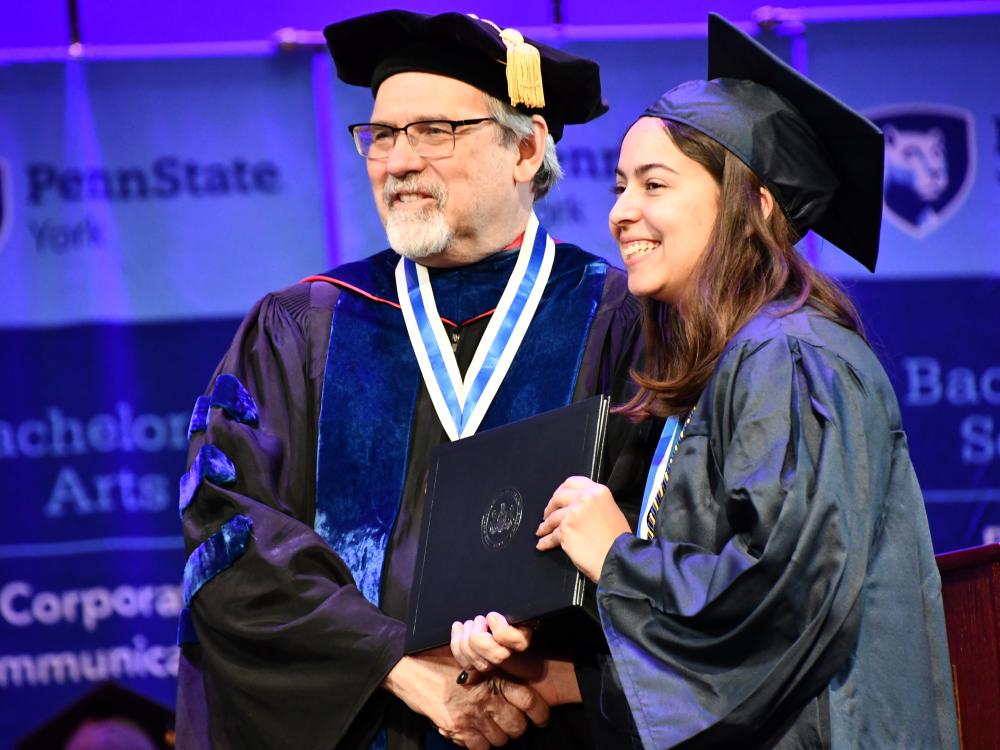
<point x="107" y="701"/>
<point x="820" y="159"/>
<point x="563" y="88"/>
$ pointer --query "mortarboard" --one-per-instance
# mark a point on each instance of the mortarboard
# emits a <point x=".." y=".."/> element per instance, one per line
<point x="106" y="702"/>
<point x="563" y="88"/>
<point x="820" y="159"/>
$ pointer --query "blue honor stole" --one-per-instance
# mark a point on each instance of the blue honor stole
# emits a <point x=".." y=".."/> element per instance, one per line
<point x="653" y="494"/>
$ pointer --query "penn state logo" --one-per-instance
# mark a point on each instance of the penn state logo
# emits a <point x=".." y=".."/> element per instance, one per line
<point x="6" y="203"/>
<point x="502" y="518"/>
<point x="929" y="163"/>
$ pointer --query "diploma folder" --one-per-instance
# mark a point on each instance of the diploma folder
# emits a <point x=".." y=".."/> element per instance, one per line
<point x="485" y="497"/>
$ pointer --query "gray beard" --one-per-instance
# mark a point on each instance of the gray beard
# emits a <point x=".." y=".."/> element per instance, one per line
<point x="416" y="234"/>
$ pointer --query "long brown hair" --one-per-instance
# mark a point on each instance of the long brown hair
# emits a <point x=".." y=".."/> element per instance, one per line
<point x="750" y="261"/>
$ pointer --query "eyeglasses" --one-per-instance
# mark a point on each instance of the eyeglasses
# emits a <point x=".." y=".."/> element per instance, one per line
<point x="431" y="139"/>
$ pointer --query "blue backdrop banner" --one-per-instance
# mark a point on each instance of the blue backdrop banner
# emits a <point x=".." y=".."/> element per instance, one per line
<point x="153" y="189"/>
<point x="144" y="206"/>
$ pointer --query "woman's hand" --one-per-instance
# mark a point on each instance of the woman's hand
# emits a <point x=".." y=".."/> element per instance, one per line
<point x="487" y="642"/>
<point x="582" y="518"/>
<point x="490" y="642"/>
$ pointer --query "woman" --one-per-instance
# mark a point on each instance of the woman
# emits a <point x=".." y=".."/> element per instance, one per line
<point x="781" y="590"/>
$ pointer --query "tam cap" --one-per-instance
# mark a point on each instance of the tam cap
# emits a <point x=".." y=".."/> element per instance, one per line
<point x="820" y="159"/>
<point x="533" y="77"/>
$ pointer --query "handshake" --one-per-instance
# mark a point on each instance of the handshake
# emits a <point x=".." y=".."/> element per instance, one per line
<point x="486" y="686"/>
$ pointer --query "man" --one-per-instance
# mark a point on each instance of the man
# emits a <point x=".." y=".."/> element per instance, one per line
<point x="302" y="506"/>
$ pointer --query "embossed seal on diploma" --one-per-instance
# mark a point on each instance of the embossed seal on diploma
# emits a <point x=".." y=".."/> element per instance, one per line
<point x="502" y="518"/>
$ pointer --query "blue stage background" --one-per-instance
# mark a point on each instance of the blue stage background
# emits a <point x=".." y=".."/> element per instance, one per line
<point x="145" y="204"/>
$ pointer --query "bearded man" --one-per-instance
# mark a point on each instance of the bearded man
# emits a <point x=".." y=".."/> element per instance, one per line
<point x="302" y="506"/>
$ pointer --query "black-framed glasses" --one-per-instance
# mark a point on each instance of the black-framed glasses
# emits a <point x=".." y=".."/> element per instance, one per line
<point x="431" y="139"/>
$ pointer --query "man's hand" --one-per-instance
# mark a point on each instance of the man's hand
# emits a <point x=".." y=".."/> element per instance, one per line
<point x="582" y="518"/>
<point x="477" y="714"/>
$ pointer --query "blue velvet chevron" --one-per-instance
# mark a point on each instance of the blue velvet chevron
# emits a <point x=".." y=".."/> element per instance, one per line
<point x="216" y="554"/>
<point x="210" y="464"/>
<point x="229" y="394"/>
<point x="232" y="397"/>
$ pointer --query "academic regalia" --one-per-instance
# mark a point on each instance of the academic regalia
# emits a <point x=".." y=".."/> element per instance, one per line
<point x="310" y="451"/>
<point x="788" y="595"/>
<point x="790" y="598"/>
<point x="290" y="654"/>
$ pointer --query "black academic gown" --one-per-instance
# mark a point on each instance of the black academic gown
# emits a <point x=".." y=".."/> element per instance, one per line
<point x="790" y="598"/>
<point x="289" y="653"/>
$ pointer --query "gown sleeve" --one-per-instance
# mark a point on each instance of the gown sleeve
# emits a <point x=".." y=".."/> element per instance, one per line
<point x="290" y="650"/>
<point x="748" y="603"/>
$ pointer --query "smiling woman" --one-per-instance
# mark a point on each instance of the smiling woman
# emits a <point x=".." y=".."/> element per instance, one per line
<point x="666" y="209"/>
<point x="715" y="252"/>
<point x="780" y="589"/>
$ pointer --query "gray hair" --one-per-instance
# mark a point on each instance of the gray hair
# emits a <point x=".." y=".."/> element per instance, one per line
<point x="517" y="127"/>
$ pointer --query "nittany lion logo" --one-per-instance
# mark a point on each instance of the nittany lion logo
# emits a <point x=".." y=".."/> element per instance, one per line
<point x="929" y="163"/>
<point x="6" y="203"/>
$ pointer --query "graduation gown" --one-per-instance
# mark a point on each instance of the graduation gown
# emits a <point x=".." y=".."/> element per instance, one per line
<point x="790" y="598"/>
<point x="282" y="650"/>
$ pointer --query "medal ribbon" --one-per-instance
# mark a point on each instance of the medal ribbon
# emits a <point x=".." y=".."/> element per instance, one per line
<point x="461" y="404"/>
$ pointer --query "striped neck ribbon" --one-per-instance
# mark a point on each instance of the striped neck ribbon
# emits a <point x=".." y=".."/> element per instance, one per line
<point x="461" y="404"/>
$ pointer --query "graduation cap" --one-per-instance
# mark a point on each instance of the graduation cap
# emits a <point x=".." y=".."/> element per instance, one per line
<point x="531" y="76"/>
<point x="820" y="159"/>
<point x="109" y="716"/>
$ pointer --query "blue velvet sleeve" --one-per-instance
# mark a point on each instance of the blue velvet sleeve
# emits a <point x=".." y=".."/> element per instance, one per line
<point x="289" y="651"/>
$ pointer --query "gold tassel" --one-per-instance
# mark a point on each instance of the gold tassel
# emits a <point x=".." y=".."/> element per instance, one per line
<point x="524" y="67"/>
<point x="524" y="71"/>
